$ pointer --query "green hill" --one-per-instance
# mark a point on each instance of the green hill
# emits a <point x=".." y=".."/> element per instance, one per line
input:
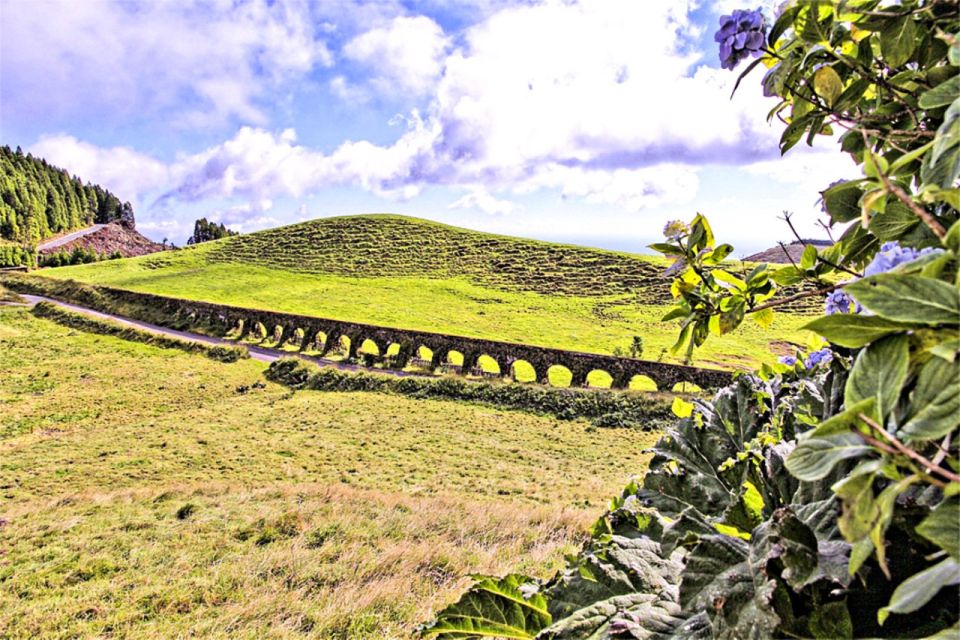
<point x="415" y="274"/>
<point x="376" y="246"/>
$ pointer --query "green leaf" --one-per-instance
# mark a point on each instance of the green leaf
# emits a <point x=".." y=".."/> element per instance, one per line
<point x="814" y="458"/>
<point x="947" y="349"/>
<point x="842" y="201"/>
<point x="853" y="330"/>
<point x="879" y="372"/>
<point x="787" y="276"/>
<point x="847" y="420"/>
<point x="935" y="402"/>
<point x="493" y="607"/>
<point x="649" y="612"/>
<point x="895" y="221"/>
<point x="898" y="40"/>
<point x="920" y="588"/>
<point x="809" y="258"/>
<point x="952" y="241"/>
<point x="941" y="95"/>
<point x="831" y="621"/>
<point x="908" y="298"/>
<point x="827" y="84"/>
<point x="942" y="527"/>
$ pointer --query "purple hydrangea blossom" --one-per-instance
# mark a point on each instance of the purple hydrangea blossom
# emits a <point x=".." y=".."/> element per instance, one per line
<point x="787" y="360"/>
<point x="740" y="34"/>
<point x="841" y="302"/>
<point x="823" y="356"/>
<point x="891" y="255"/>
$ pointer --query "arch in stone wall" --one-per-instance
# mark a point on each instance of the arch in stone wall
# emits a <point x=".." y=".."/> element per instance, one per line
<point x="685" y="387"/>
<point x="559" y="375"/>
<point x="523" y="371"/>
<point x="487" y="366"/>
<point x="600" y="379"/>
<point x="641" y="382"/>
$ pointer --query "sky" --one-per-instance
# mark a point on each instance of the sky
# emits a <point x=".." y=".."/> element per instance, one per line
<point x="591" y="122"/>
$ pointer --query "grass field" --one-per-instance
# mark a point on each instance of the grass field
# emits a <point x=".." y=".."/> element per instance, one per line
<point x="415" y="274"/>
<point x="153" y="493"/>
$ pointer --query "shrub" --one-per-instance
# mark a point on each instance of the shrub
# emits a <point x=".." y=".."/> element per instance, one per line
<point x="619" y="409"/>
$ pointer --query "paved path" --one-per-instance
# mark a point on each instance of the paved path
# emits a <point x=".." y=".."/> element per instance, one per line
<point x="263" y="354"/>
<point x="53" y="244"/>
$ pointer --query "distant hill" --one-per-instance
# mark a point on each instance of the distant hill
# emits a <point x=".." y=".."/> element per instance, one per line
<point x="102" y="239"/>
<point x="372" y="246"/>
<point x="786" y="254"/>
<point x="39" y="200"/>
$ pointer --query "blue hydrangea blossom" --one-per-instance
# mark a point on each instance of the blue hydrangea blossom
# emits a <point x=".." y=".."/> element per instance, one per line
<point x="841" y="302"/>
<point x="740" y="34"/>
<point x="891" y="255"/>
<point x="787" y="360"/>
<point x="823" y="356"/>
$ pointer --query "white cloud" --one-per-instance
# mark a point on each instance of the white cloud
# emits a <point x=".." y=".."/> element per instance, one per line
<point x="405" y="57"/>
<point x="199" y="63"/>
<point x="480" y="198"/>
<point x="127" y="173"/>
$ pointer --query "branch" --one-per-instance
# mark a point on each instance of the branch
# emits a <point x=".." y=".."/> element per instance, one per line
<point x="797" y="296"/>
<point x="919" y="211"/>
<point x="786" y="217"/>
<point x="910" y="453"/>
<point x="901" y="195"/>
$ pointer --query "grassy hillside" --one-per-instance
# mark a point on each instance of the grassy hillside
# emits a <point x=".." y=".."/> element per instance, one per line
<point x="411" y="273"/>
<point x="154" y="493"/>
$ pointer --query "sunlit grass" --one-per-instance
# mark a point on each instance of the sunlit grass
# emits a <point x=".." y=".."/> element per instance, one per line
<point x="153" y="493"/>
<point x="486" y="301"/>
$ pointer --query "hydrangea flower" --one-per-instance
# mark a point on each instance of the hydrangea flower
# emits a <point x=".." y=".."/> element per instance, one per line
<point x="841" y="302"/>
<point x="740" y="34"/>
<point x="787" y="360"/>
<point x="823" y="356"/>
<point x="674" y="229"/>
<point x="891" y="254"/>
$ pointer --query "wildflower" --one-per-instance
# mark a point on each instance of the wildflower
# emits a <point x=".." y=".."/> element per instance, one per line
<point x="823" y="356"/>
<point x="675" y="229"/>
<point x="740" y="35"/>
<point x="787" y="360"/>
<point x="891" y="255"/>
<point x="841" y="302"/>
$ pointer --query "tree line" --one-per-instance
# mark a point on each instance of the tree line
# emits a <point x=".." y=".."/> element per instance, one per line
<point x="39" y="200"/>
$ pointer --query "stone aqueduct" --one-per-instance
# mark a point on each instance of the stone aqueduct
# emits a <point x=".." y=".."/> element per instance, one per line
<point x="304" y="331"/>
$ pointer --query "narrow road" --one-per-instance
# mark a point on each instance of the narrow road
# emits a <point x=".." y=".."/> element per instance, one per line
<point x="53" y="244"/>
<point x="263" y="354"/>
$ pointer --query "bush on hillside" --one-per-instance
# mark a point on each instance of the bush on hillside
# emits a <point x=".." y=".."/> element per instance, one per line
<point x="608" y="408"/>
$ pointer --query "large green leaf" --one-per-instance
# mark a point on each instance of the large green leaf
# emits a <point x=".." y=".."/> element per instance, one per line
<point x="814" y="458"/>
<point x="842" y="201"/>
<point x="720" y="580"/>
<point x="908" y="298"/>
<point x="895" y="221"/>
<point x="879" y="372"/>
<point x="942" y="527"/>
<point x="898" y="39"/>
<point x="853" y="330"/>
<point x="493" y="607"/>
<point x="935" y="403"/>
<point x="919" y="589"/>
<point x="612" y="567"/>
<point x="848" y="419"/>
<point x="642" y="615"/>
<point x="941" y="95"/>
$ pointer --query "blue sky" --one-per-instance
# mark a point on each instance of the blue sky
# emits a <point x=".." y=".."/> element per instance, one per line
<point x="591" y="122"/>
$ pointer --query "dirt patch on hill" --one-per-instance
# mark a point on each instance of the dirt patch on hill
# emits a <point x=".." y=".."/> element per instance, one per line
<point x="111" y="238"/>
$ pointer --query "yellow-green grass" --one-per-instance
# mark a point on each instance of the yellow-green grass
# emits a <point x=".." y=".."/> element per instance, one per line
<point x="153" y="493"/>
<point x="414" y="274"/>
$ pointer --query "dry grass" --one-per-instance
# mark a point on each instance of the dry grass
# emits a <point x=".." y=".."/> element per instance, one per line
<point x="145" y="496"/>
